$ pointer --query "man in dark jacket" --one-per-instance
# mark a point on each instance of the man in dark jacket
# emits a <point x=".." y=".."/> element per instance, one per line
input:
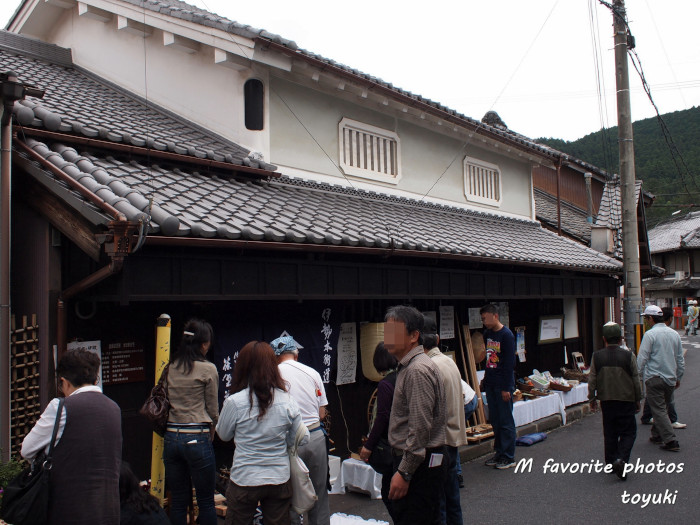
<point x="614" y="381"/>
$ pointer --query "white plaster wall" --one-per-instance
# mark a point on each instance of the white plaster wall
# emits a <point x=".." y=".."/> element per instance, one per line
<point x="304" y="135"/>
<point x="191" y="85"/>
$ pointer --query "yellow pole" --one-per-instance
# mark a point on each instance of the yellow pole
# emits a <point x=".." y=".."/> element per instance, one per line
<point x="162" y="359"/>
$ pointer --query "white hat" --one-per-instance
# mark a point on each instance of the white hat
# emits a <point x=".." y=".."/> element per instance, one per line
<point x="653" y="310"/>
<point x="692" y="301"/>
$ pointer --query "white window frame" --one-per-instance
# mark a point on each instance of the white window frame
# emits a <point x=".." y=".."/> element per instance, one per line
<point x="374" y="152"/>
<point x="477" y="186"/>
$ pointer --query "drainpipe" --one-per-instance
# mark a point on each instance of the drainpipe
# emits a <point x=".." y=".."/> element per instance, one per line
<point x="559" y="197"/>
<point x="589" y="194"/>
<point x="5" y="279"/>
<point x="11" y="90"/>
<point x="91" y="280"/>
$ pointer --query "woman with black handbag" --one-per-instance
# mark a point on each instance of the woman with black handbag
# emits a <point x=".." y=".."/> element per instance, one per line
<point x="188" y="454"/>
<point x="376" y="450"/>
<point x="81" y="492"/>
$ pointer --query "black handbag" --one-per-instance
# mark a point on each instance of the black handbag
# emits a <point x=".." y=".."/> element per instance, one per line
<point x="25" y="500"/>
<point x="157" y="407"/>
<point x="381" y="458"/>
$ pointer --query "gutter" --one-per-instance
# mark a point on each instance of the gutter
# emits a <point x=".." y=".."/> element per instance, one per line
<point x="190" y="242"/>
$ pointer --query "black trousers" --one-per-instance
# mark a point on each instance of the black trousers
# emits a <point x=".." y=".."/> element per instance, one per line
<point x="619" y="429"/>
<point x="421" y="505"/>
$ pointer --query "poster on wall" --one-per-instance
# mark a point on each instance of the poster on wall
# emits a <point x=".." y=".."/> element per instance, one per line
<point x="447" y="322"/>
<point x="92" y="346"/>
<point x="475" y="318"/>
<point x="520" y="343"/>
<point x="550" y="329"/>
<point x="347" y="354"/>
<point x="503" y="313"/>
<point x="123" y="362"/>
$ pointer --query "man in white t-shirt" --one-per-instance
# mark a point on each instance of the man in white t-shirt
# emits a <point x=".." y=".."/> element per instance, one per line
<point x="306" y="387"/>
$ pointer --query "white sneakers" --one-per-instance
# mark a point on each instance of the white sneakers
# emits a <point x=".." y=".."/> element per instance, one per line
<point x="678" y="424"/>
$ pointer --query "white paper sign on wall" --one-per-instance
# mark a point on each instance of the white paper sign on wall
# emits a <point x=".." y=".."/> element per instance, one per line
<point x="347" y="354"/>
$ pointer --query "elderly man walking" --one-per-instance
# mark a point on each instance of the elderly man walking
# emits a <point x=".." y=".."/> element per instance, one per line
<point x="417" y="422"/>
<point x="661" y="366"/>
<point x="614" y="381"/>
<point x="306" y="387"/>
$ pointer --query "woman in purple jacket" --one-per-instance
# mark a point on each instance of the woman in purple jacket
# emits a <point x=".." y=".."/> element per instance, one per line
<point x="386" y="364"/>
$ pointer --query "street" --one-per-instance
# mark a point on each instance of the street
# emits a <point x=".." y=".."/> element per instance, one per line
<point x="664" y="486"/>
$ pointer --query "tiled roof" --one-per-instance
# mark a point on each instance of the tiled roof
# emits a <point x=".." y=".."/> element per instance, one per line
<point x="573" y="219"/>
<point x="610" y="210"/>
<point x="681" y="232"/>
<point x="79" y="103"/>
<point x="192" y="204"/>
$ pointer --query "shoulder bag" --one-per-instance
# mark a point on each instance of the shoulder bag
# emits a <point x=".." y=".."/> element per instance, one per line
<point x="157" y="406"/>
<point x="303" y="494"/>
<point x="25" y="500"/>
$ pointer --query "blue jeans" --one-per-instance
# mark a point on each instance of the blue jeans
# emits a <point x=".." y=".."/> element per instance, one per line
<point x="189" y="460"/>
<point x="501" y="419"/>
<point x="450" y="508"/>
<point x="470" y="407"/>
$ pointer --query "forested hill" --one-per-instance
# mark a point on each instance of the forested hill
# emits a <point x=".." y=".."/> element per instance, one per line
<point x="653" y="161"/>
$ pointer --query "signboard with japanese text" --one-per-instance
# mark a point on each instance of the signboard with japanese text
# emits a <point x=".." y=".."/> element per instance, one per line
<point x="447" y="322"/>
<point x="347" y="354"/>
<point x="123" y="362"/>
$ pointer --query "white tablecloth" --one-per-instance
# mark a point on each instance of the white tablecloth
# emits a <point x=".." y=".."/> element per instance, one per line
<point x="578" y="394"/>
<point x="358" y="476"/>
<point x="525" y="412"/>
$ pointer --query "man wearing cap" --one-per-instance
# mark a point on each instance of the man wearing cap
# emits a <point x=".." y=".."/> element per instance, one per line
<point x="661" y="366"/>
<point x="306" y="387"/>
<point x="416" y="424"/>
<point x="693" y="313"/>
<point x="614" y="381"/>
<point x="456" y="430"/>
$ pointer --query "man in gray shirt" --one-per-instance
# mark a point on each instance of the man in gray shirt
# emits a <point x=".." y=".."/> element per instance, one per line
<point x="661" y="366"/>
<point x="417" y="422"/>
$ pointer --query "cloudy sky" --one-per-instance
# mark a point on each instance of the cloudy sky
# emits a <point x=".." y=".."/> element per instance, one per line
<point x="534" y="62"/>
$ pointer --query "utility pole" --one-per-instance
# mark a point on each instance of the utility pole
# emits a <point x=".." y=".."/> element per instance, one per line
<point x="632" y="302"/>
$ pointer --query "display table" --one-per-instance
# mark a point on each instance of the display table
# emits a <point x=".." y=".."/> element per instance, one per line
<point x="578" y="394"/>
<point x="525" y="412"/>
<point x="358" y="476"/>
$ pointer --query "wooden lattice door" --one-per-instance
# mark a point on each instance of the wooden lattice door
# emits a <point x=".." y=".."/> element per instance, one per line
<point x="25" y="406"/>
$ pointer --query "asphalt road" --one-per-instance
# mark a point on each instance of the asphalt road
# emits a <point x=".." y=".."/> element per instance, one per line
<point x="665" y="489"/>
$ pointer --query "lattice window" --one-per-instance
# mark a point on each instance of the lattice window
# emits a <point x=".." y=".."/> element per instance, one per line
<point x="25" y="407"/>
<point x="369" y="152"/>
<point x="482" y="182"/>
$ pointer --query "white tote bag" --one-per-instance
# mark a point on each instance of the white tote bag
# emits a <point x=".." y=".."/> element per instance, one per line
<point x="303" y="493"/>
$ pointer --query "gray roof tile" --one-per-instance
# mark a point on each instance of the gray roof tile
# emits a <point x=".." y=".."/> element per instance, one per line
<point x="78" y="102"/>
<point x="290" y="210"/>
<point x="678" y="232"/>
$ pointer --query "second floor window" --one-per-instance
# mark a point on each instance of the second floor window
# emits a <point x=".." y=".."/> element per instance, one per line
<point x="368" y="151"/>
<point x="254" y="93"/>
<point x="482" y="182"/>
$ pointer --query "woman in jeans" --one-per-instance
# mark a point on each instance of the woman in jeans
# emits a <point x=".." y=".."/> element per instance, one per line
<point x="263" y="419"/>
<point x="194" y="407"/>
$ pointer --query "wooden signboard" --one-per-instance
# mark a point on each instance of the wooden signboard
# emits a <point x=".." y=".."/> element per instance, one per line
<point x="123" y="363"/>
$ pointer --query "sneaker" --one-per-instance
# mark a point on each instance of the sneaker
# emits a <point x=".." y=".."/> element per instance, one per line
<point x="656" y="440"/>
<point x="673" y="446"/>
<point x="505" y="463"/>
<point x="678" y="424"/>
<point x="492" y="461"/>
<point x="460" y="480"/>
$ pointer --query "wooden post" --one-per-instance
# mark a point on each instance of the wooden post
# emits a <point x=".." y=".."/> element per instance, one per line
<point x="162" y="359"/>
